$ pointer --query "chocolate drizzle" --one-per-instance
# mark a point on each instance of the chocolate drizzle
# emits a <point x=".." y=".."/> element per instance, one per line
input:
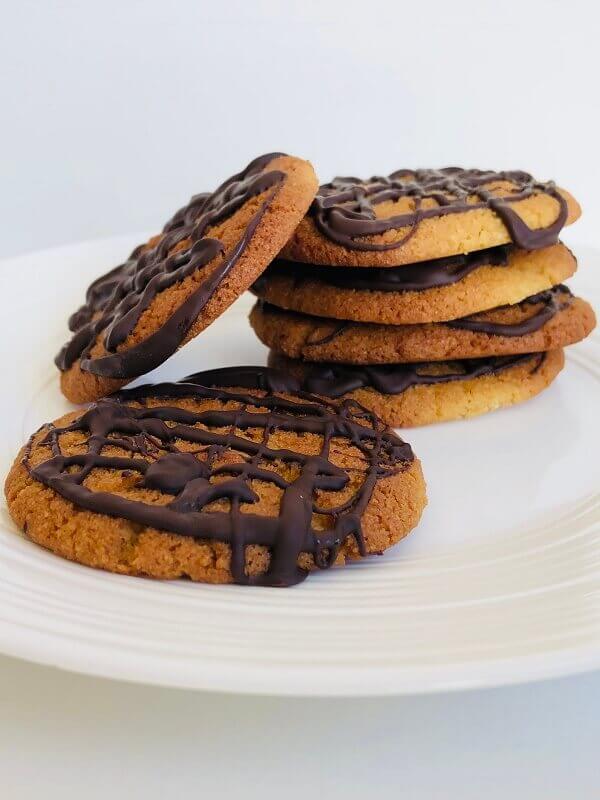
<point x="227" y="465"/>
<point x="344" y="210"/>
<point x="336" y="380"/>
<point x="314" y="338"/>
<point x="116" y="301"/>
<point x="551" y="301"/>
<point x="412" y="278"/>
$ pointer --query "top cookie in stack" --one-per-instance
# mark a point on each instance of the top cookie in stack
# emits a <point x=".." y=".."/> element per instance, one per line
<point x="375" y="293"/>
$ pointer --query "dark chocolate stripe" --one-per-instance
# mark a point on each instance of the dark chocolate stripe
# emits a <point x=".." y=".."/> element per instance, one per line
<point x="412" y="278"/>
<point x="551" y="302"/>
<point x="336" y="380"/>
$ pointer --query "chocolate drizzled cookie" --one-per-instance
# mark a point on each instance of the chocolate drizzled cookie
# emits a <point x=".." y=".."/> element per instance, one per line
<point x="430" y="291"/>
<point x="405" y="395"/>
<point x="548" y="321"/>
<point x="175" y="285"/>
<point x="417" y="215"/>
<point x="234" y="481"/>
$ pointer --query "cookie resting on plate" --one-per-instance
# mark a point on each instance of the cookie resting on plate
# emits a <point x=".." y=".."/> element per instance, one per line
<point x="405" y="395"/>
<point x="224" y="477"/>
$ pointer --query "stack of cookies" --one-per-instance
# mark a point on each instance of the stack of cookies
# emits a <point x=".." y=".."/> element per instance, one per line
<point x="426" y="295"/>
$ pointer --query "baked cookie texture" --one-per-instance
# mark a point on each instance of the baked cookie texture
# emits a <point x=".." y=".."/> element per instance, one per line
<point x="417" y="215"/>
<point x="496" y="383"/>
<point x="518" y="275"/>
<point x="180" y="281"/>
<point x="217" y="484"/>
<point x="317" y="339"/>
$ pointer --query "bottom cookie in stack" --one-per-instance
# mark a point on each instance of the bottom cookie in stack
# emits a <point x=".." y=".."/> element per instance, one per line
<point x="404" y="395"/>
<point x="424" y="373"/>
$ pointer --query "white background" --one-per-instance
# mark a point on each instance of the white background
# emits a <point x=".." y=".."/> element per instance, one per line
<point x="113" y="113"/>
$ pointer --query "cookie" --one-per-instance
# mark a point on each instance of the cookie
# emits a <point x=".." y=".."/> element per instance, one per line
<point x="418" y="215"/>
<point x="171" y="288"/>
<point x="233" y="483"/>
<point x="547" y="321"/>
<point x="431" y="291"/>
<point x="405" y="395"/>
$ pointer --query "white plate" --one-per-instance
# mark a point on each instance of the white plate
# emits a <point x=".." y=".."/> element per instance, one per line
<point x="499" y="584"/>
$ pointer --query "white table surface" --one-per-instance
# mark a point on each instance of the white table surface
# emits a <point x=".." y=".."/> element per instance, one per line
<point x="69" y="736"/>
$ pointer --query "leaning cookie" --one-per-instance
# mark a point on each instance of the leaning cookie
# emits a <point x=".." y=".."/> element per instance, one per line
<point x="417" y="215"/>
<point x="220" y="478"/>
<point x="179" y="282"/>
<point x="430" y="291"/>
<point x="405" y="395"/>
<point x="548" y="321"/>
